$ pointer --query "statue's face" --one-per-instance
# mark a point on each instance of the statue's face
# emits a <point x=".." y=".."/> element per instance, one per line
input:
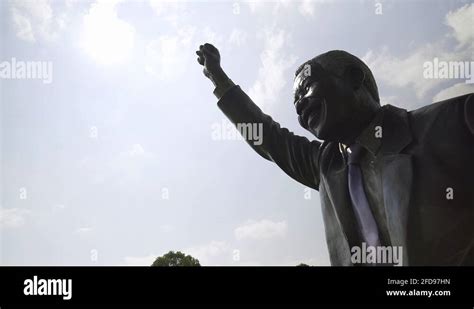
<point x="326" y="104"/>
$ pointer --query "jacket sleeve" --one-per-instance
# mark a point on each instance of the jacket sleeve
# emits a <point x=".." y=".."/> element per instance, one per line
<point x="295" y="155"/>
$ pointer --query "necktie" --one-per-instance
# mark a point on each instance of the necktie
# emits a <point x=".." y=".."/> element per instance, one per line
<point x="364" y="216"/>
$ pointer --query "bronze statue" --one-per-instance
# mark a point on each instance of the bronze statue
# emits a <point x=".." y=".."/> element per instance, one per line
<point x="387" y="177"/>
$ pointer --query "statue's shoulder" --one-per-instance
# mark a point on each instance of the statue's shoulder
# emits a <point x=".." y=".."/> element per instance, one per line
<point x="448" y="106"/>
<point x="445" y="115"/>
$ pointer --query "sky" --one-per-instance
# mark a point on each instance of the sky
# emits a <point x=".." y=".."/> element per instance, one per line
<point x="111" y="159"/>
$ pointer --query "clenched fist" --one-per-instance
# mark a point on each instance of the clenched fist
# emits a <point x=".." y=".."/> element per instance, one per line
<point x="209" y="57"/>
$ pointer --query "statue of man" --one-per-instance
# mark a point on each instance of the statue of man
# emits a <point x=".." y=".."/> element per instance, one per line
<point x="387" y="177"/>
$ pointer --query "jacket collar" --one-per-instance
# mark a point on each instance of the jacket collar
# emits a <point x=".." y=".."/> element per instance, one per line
<point x="389" y="132"/>
<point x="396" y="130"/>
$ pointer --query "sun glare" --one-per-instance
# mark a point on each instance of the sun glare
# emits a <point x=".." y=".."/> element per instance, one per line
<point x="106" y="38"/>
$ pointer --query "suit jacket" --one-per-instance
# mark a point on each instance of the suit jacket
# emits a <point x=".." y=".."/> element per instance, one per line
<point x="425" y="166"/>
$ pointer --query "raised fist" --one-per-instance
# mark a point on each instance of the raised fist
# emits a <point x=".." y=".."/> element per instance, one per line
<point x="210" y="58"/>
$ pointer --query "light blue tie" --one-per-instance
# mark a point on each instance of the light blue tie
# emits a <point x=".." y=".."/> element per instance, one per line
<point x="364" y="216"/>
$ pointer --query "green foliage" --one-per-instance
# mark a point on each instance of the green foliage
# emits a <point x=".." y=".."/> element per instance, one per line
<point x="176" y="259"/>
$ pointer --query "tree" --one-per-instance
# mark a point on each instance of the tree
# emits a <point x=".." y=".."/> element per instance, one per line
<point x="302" y="265"/>
<point x="175" y="259"/>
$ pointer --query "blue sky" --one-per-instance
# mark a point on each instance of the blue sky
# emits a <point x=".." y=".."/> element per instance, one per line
<point x="113" y="162"/>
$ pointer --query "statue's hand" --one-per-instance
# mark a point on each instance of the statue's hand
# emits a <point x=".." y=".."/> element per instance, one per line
<point x="210" y="58"/>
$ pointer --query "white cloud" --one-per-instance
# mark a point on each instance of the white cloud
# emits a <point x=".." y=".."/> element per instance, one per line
<point x="213" y="253"/>
<point x="408" y="71"/>
<point x="454" y="91"/>
<point x="84" y="230"/>
<point x="161" y="7"/>
<point x="125" y="167"/>
<point x="273" y="73"/>
<point x="58" y="207"/>
<point x="33" y="20"/>
<point x="166" y="57"/>
<point x="264" y="229"/>
<point x="106" y="38"/>
<point x="307" y="7"/>
<point x="462" y="21"/>
<point x="275" y="6"/>
<point x="253" y="263"/>
<point x="208" y="35"/>
<point x="237" y="37"/>
<point x="129" y="166"/>
<point x="140" y="260"/>
<point x="23" y="26"/>
<point x="13" y="217"/>
<point x="255" y="5"/>
<point x="71" y="3"/>
<point x="167" y="228"/>
<point x="392" y="100"/>
<point x="137" y="150"/>
<point x="173" y="12"/>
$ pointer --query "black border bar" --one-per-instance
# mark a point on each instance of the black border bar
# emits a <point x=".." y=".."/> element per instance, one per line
<point x="243" y="285"/>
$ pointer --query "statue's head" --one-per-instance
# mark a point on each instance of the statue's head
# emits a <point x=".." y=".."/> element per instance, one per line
<point x="335" y="96"/>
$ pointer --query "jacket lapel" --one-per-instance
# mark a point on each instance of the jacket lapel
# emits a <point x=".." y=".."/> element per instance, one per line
<point x="397" y="174"/>
<point x="338" y="192"/>
<point x="397" y="182"/>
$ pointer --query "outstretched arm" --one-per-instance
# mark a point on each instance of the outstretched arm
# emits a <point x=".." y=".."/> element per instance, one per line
<point x="295" y="155"/>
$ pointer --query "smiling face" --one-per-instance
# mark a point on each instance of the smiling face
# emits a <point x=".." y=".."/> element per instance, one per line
<point x="309" y="101"/>
<point x="329" y="106"/>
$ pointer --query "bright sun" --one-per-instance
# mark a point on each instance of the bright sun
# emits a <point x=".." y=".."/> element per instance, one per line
<point x="105" y="37"/>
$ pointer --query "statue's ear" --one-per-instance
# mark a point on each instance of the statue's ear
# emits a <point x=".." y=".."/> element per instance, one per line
<point x="355" y="76"/>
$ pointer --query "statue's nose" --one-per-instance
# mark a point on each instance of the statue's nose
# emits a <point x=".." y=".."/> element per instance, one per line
<point x="300" y="105"/>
